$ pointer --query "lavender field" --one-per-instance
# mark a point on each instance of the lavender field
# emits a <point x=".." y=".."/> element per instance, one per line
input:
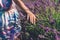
<point x="47" y="26"/>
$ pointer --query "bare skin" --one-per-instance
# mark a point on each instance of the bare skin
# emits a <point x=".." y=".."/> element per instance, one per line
<point x="30" y="15"/>
<point x="21" y="4"/>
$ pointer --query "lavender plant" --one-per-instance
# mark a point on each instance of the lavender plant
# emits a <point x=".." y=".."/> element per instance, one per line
<point x="47" y="26"/>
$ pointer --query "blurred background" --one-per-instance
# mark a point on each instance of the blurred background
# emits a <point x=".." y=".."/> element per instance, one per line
<point x="47" y="26"/>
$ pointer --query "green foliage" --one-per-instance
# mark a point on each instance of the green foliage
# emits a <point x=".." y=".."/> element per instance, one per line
<point x="43" y="18"/>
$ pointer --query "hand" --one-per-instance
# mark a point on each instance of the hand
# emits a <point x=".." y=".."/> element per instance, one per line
<point x="30" y="15"/>
<point x="32" y="18"/>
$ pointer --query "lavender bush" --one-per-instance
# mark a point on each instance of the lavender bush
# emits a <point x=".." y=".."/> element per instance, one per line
<point x="47" y="26"/>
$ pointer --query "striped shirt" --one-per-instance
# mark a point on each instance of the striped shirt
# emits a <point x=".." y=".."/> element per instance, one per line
<point x="10" y="23"/>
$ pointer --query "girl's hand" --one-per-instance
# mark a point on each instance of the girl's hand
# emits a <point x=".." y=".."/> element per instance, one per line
<point x="31" y="17"/>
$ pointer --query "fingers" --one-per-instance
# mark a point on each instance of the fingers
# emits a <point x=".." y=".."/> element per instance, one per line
<point x="33" y="19"/>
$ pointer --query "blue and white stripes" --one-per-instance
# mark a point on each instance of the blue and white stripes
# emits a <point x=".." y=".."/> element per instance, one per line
<point x="10" y="24"/>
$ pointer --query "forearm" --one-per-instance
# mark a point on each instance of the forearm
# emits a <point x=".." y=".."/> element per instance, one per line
<point x="23" y="6"/>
